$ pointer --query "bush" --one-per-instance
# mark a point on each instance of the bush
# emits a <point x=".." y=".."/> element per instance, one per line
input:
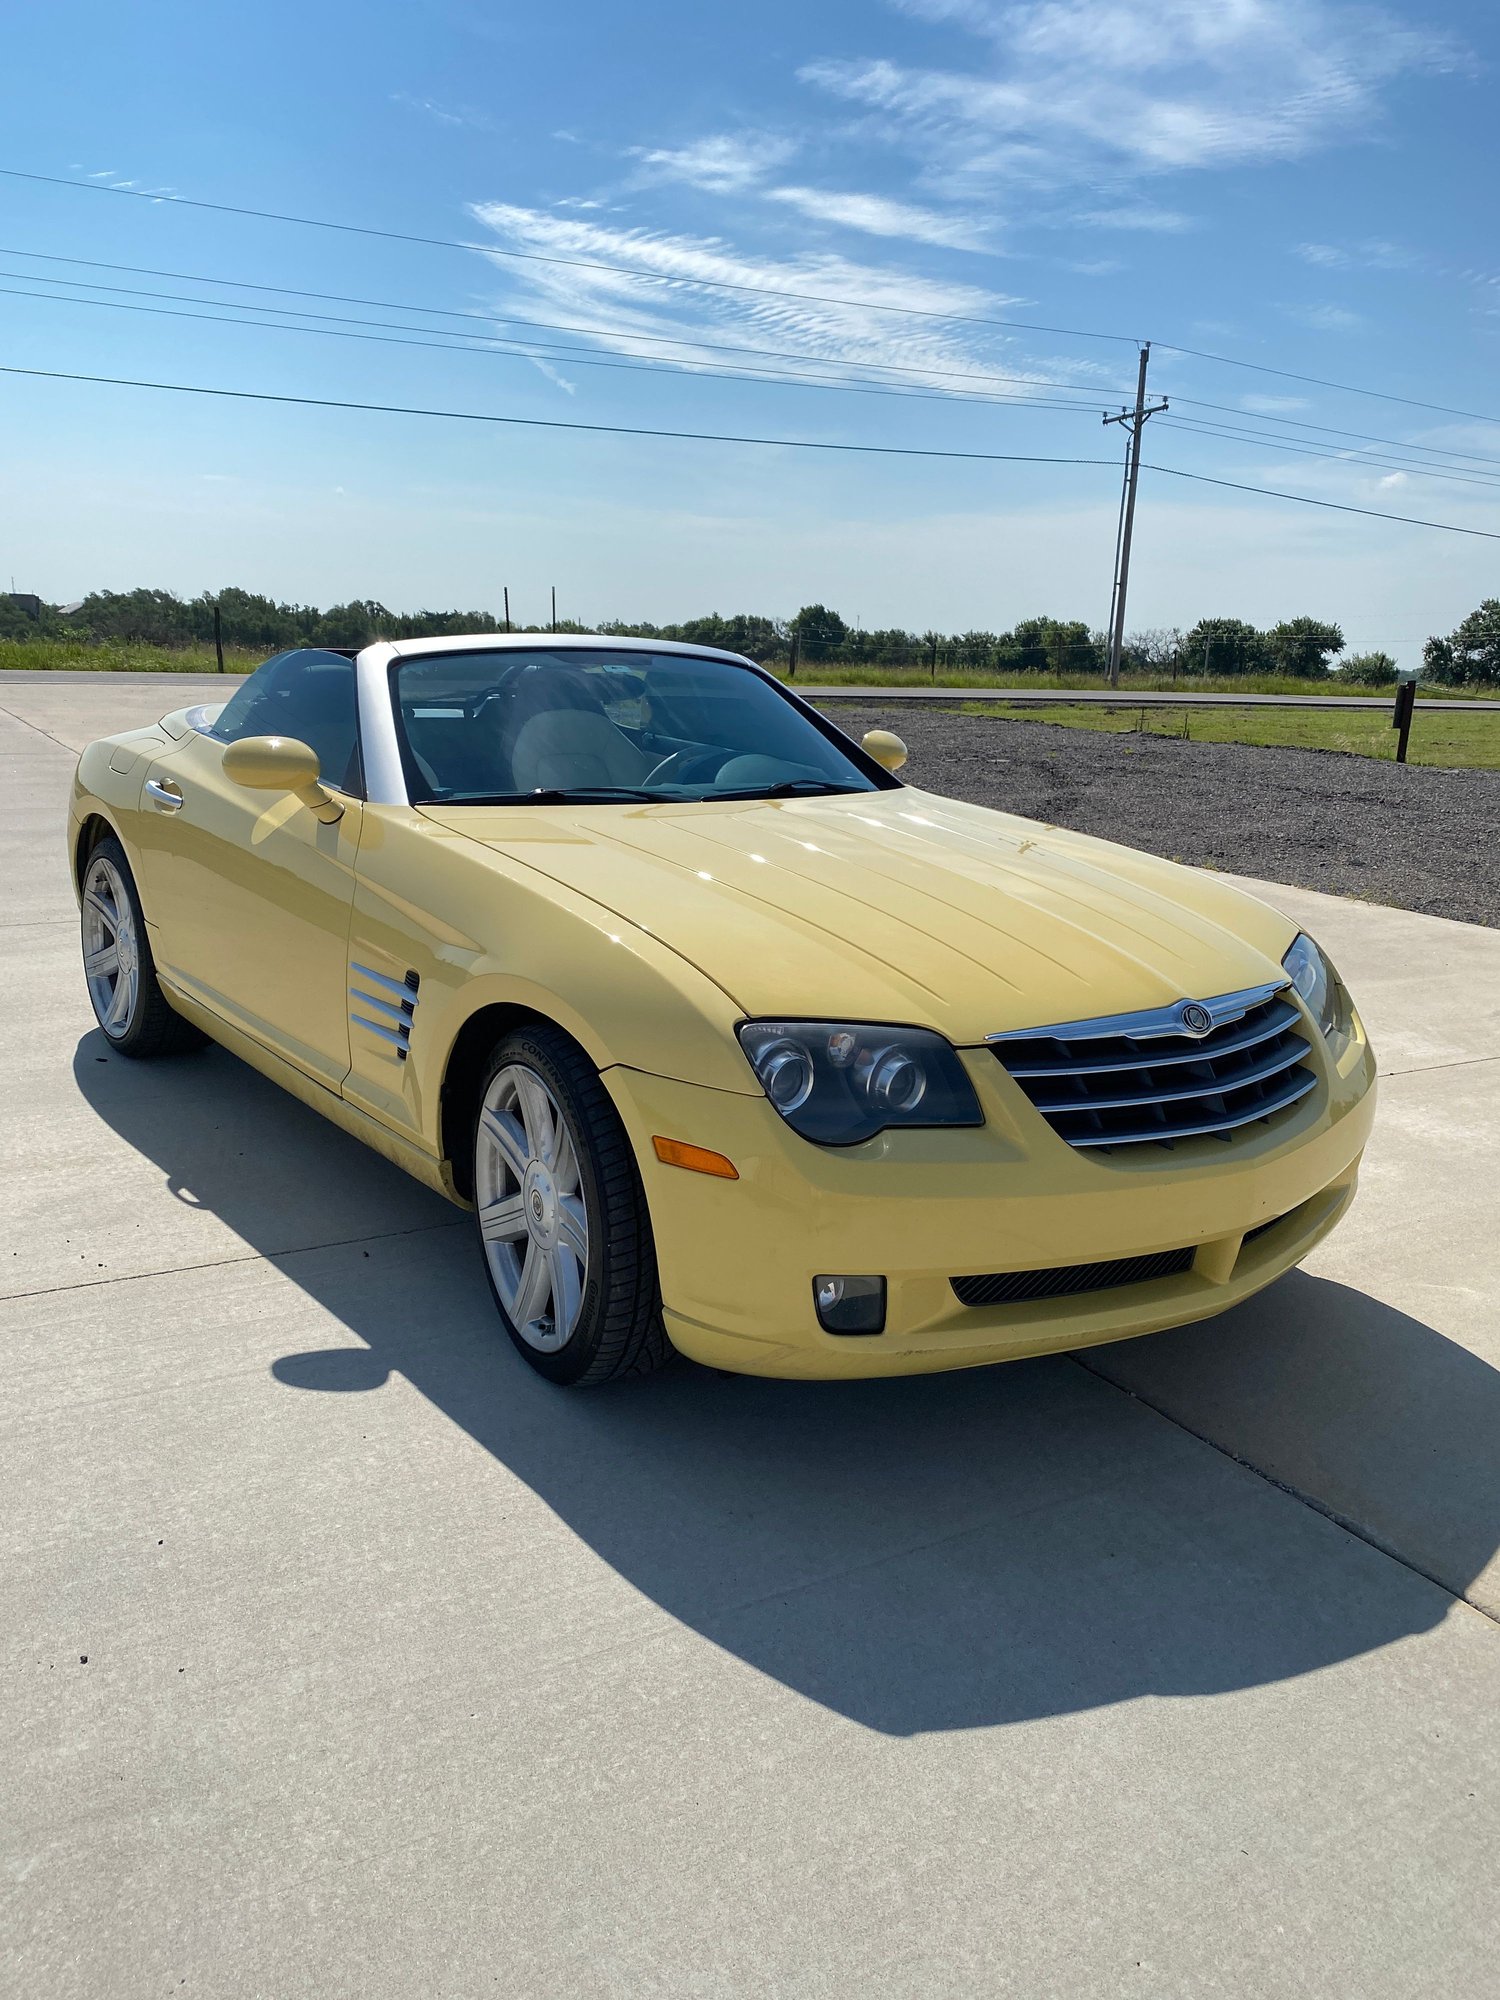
<point x="1369" y="669"/>
<point x="1224" y="646"/>
<point x="1469" y="656"/>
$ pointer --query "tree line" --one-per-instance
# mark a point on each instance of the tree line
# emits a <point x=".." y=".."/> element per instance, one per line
<point x="1302" y="647"/>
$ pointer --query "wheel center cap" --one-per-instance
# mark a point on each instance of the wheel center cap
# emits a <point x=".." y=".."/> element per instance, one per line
<point x="539" y="1204"/>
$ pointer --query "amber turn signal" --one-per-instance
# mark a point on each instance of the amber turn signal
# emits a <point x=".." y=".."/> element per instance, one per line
<point x="697" y="1159"/>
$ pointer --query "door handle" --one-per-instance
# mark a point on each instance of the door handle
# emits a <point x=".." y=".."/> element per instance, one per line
<point x="164" y="797"/>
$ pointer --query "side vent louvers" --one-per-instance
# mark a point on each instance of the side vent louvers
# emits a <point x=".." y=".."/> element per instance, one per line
<point x="384" y="1007"/>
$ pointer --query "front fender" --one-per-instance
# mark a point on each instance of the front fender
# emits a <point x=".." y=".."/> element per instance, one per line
<point x="480" y="930"/>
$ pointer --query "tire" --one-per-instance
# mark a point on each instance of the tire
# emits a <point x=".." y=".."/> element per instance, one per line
<point x="129" y="1005"/>
<point x="561" y="1215"/>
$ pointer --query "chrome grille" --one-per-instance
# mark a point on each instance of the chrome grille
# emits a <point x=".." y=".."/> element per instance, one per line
<point x="1147" y="1078"/>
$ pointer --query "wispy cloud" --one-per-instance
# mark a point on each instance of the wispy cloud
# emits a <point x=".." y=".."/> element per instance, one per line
<point x="792" y="305"/>
<point x="1273" y="406"/>
<point x="558" y="381"/>
<point x="1156" y="221"/>
<point x="876" y="215"/>
<point x="726" y="163"/>
<point x="1367" y="256"/>
<point x="1075" y="89"/>
<point x="427" y="107"/>
<point x="1325" y="318"/>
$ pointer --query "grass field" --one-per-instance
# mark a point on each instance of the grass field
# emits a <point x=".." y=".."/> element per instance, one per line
<point x="1463" y="742"/>
<point x="78" y="656"/>
<point x="1129" y="683"/>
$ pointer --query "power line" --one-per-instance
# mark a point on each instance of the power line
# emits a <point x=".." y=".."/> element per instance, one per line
<point x="729" y="285"/>
<point x="720" y="437"/>
<point x="1090" y="389"/>
<point x="653" y="364"/>
<point x="1322" y="382"/>
<point x="1270" y="431"/>
<point x="1293" y="426"/>
<point x="480" y="344"/>
<point x="551" y="423"/>
<point x="569" y="263"/>
<point x="1331" y="457"/>
<point x="1336" y="506"/>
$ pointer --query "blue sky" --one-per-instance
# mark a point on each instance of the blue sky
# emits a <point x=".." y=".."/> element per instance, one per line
<point x="1290" y="182"/>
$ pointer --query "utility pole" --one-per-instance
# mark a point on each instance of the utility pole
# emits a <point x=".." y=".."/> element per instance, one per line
<point x="554" y="607"/>
<point x="507" y="606"/>
<point x="1133" y="422"/>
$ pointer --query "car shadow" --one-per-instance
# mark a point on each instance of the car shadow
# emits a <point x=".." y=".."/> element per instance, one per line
<point x="935" y="1552"/>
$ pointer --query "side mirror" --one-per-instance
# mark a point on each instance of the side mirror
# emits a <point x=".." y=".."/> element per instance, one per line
<point x="887" y="750"/>
<point x="281" y="764"/>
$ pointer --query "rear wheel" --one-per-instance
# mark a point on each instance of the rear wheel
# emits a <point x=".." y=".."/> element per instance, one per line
<point x="562" y="1216"/>
<point x="128" y="1002"/>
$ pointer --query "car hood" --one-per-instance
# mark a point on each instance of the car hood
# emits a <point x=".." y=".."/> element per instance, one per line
<point x="898" y="906"/>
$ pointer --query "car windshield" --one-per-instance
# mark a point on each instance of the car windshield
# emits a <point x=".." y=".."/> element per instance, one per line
<point x="577" y="725"/>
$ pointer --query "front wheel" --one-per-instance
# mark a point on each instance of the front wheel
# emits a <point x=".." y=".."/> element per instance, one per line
<point x="562" y="1215"/>
<point x="128" y="1002"/>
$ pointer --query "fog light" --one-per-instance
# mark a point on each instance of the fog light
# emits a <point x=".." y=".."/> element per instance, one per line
<point x="850" y="1305"/>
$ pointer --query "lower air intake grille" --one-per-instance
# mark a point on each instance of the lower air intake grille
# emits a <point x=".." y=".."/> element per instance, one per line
<point x="1199" y="1068"/>
<point x="1011" y="1288"/>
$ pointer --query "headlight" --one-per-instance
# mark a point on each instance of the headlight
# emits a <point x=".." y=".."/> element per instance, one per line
<point x="838" y="1082"/>
<point x="1317" y="982"/>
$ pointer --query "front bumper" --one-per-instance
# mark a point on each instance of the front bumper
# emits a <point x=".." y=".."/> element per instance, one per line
<point x="737" y="1258"/>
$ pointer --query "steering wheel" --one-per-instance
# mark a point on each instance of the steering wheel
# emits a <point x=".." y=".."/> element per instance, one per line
<point x="670" y="758"/>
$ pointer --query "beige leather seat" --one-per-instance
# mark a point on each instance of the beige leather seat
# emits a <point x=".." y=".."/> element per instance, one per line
<point x="566" y="748"/>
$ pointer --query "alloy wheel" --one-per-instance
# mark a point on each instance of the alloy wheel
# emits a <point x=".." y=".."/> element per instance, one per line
<point x="532" y="1215"/>
<point x="111" y="950"/>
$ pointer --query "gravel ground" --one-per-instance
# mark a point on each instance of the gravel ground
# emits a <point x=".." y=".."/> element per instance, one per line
<point x="1388" y="833"/>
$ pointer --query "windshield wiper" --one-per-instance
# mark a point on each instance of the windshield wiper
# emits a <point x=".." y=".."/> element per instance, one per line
<point x="790" y="788"/>
<point x="551" y="795"/>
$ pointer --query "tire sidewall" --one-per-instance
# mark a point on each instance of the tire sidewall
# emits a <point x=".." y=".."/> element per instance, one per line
<point x="567" y="1364"/>
<point x="108" y="848"/>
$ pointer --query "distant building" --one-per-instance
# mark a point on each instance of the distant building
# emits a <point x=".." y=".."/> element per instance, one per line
<point x="26" y="603"/>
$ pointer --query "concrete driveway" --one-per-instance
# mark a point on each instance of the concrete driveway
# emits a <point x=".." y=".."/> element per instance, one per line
<point x="341" y="1656"/>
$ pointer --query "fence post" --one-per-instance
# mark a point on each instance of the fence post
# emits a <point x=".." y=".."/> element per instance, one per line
<point x="1401" y="715"/>
<point x="218" y="637"/>
<point x="791" y="658"/>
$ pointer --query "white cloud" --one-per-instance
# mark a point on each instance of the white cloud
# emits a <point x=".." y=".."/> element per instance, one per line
<point x="437" y="112"/>
<point x="1158" y="221"/>
<point x="726" y="164"/>
<point x="1372" y="255"/>
<point x="792" y="305"/>
<point x="1325" y="318"/>
<point x="1073" y="90"/>
<point x="1392" y="480"/>
<point x="876" y="215"/>
<point x="552" y="375"/>
<point x="1273" y="406"/>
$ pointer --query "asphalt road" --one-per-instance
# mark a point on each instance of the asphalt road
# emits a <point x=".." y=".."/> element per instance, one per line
<point x="341" y="1656"/>
<point x="1022" y="696"/>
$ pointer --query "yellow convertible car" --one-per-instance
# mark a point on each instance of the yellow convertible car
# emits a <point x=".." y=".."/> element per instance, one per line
<point x="734" y="1043"/>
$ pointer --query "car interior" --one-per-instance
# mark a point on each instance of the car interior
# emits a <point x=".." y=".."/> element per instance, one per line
<point x="498" y="727"/>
